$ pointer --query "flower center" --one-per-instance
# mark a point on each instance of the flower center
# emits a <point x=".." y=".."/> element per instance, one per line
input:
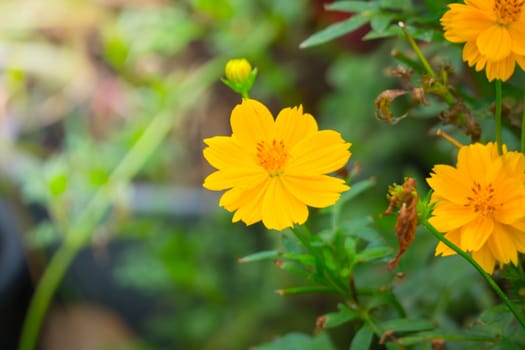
<point x="272" y="156"/>
<point x="482" y="200"/>
<point x="508" y="11"/>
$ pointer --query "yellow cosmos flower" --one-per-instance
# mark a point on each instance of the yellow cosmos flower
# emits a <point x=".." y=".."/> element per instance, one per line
<point x="494" y="33"/>
<point x="273" y="169"/>
<point x="480" y="203"/>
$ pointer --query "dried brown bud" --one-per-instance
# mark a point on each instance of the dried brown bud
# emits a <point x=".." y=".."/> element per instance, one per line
<point x="404" y="197"/>
<point x="382" y="106"/>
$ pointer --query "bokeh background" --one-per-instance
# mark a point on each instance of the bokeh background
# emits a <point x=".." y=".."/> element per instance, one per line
<point x="79" y="82"/>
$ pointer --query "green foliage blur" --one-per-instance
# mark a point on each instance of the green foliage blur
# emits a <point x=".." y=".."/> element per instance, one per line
<point x="81" y="84"/>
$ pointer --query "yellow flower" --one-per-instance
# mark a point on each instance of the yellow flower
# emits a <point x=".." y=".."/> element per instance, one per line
<point x="494" y="33"/>
<point x="480" y="203"/>
<point x="272" y="169"/>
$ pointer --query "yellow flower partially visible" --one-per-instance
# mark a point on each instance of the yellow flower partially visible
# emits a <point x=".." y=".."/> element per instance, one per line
<point x="480" y="204"/>
<point x="273" y="169"/>
<point x="493" y="32"/>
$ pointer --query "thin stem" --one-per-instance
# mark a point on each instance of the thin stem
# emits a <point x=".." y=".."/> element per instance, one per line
<point x="44" y="293"/>
<point x="485" y="275"/>
<point x="79" y="231"/>
<point x="522" y="148"/>
<point x="498" y="115"/>
<point x="418" y="52"/>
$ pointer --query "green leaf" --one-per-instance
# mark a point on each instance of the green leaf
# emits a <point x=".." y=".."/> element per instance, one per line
<point x="357" y="189"/>
<point x="407" y="325"/>
<point x="306" y="290"/>
<point x="380" y="21"/>
<point x="363" y="338"/>
<point x="305" y="259"/>
<point x="371" y="254"/>
<point x="337" y="318"/>
<point x="334" y="31"/>
<point x="447" y="336"/>
<point x="265" y="255"/>
<point x="352" y="6"/>
<point x="297" y="341"/>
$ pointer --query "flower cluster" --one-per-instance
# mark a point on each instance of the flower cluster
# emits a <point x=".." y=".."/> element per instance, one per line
<point x="273" y="169"/>
<point x="480" y="203"/>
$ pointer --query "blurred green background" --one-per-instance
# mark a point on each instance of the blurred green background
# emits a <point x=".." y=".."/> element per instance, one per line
<point x="79" y="83"/>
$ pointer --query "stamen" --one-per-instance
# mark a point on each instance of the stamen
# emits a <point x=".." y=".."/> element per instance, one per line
<point x="482" y="200"/>
<point x="508" y="11"/>
<point x="272" y="156"/>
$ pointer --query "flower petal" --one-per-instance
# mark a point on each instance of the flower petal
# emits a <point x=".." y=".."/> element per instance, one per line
<point x="517" y="34"/>
<point x="280" y="209"/>
<point x="502" y="246"/>
<point x="447" y="182"/>
<point x="224" y="152"/>
<point x="494" y="42"/>
<point x="463" y="23"/>
<point x="251" y="122"/>
<point x="247" y="203"/>
<point x="225" y="179"/>
<point x="292" y="126"/>
<point x="485" y="259"/>
<point x="476" y="233"/>
<point x="443" y="249"/>
<point x="321" y="153"/>
<point x="447" y="216"/>
<point x="316" y="191"/>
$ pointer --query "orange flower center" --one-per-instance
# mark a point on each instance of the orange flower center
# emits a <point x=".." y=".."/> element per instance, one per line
<point x="508" y="11"/>
<point x="272" y="156"/>
<point x="482" y="200"/>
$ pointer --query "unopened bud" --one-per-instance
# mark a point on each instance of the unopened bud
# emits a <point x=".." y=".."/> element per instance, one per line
<point x="240" y="75"/>
<point x="238" y="70"/>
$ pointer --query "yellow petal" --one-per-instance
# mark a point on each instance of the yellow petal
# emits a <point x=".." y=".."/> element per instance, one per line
<point x="447" y="182"/>
<point x="476" y="233"/>
<point x="485" y="259"/>
<point x="447" y="216"/>
<point x="463" y="23"/>
<point x="485" y="5"/>
<point x="321" y="153"/>
<point x="247" y="203"/>
<point x="502" y="69"/>
<point x="225" y="179"/>
<point x="225" y="153"/>
<point x="316" y="191"/>
<point x="280" y="209"/>
<point x="502" y="246"/>
<point x="517" y="34"/>
<point x="292" y="125"/>
<point x="251" y="122"/>
<point x="494" y="43"/>
<point x="443" y="249"/>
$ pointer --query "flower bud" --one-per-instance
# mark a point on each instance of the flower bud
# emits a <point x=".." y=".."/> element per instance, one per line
<point x="240" y="75"/>
<point x="238" y="70"/>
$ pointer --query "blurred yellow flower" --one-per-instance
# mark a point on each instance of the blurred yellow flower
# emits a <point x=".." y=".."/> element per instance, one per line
<point x="273" y="169"/>
<point x="494" y="33"/>
<point x="480" y="203"/>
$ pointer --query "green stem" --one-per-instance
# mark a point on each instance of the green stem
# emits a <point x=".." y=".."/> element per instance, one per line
<point x="44" y="293"/>
<point x="418" y="52"/>
<point x="79" y="231"/>
<point x="498" y="115"/>
<point x="522" y="148"/>
<point x="483" y="273"/>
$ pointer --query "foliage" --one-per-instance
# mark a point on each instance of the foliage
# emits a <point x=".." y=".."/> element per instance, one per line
<point x="103" y="108"/>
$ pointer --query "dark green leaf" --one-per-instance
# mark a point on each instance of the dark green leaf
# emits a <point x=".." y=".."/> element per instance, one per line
<point x="334" y="31"/>
<point x="344" y="315"/>
<point x="407" y="325"/>
<point x="376" y="253"/>
<point x="297" y="341"/>
<point x="447" y="336"/>
<point x="352" y="6"/>
<point x="266" y="255"/>
<point x="380" y="21"/>
<point x="363" y="338"/>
